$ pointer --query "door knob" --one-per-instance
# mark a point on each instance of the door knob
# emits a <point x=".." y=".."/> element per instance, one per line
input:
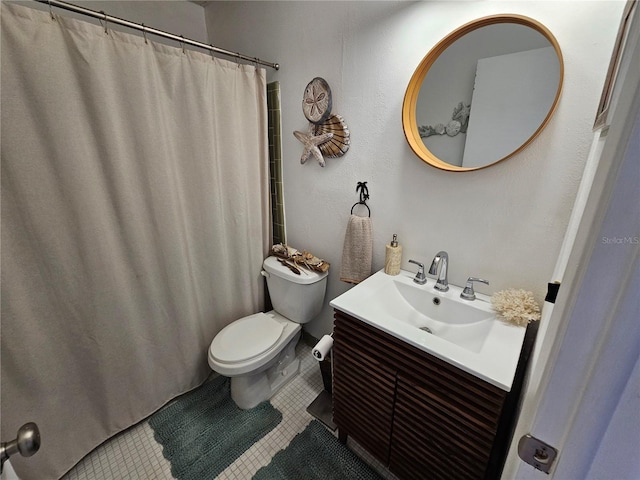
<point x="27" y="443"/>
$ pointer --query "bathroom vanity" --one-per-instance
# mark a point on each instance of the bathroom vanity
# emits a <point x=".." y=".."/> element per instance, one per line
<point x="416" y="407"/>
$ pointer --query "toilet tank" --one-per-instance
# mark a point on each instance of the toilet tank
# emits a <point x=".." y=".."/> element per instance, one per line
<point x="297" y="297"/>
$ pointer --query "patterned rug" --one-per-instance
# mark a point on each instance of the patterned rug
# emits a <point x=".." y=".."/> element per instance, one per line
<point x="203" y="431"/>
<point x="315" y="454"/>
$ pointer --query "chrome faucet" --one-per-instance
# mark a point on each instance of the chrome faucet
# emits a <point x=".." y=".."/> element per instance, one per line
<point x="420" y="277"/>
<point x="441" y="259"/>
<point x="468" y="293"/>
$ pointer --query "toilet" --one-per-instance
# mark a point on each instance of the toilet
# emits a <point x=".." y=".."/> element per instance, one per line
<point x="258" y="351"/>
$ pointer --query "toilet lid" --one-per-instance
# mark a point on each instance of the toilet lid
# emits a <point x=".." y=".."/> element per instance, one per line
<point x="246" y="338"/>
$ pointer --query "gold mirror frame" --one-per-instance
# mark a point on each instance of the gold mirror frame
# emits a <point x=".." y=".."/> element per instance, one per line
<point x="409" y="122"/>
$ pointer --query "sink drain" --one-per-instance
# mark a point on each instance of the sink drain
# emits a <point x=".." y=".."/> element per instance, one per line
<point x="426" y="329"/>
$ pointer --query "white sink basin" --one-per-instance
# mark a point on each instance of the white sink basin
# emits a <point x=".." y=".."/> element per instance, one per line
<point x="466" y="324"/>
<point x="463" y="333"/>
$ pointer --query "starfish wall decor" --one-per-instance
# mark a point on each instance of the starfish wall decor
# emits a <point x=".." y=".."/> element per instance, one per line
<point x="311" y="143"/>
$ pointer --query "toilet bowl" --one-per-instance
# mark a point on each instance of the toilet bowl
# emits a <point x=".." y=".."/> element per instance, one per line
<point x="258" y="351"/>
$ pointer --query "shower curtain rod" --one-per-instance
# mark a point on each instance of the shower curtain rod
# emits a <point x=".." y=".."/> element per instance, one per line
<point x="144" y="29"/>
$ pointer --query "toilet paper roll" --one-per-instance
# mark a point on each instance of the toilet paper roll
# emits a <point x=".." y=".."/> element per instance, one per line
<point x="322" y="348"/>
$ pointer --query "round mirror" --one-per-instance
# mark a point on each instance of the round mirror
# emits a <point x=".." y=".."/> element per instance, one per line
<point x="483" y="93"/>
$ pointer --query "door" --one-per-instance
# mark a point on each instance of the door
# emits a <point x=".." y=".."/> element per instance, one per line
<point x="505" y="86"/>
<point x="586" y="405"/>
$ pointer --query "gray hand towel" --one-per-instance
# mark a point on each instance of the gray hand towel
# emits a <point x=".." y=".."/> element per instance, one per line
<point x="357" y="251"/>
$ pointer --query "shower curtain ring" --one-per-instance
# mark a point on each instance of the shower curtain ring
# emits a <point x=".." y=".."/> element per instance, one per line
<point x="53" y="17"/>
<point x="211" y="52"/>
<point x="182" y="43"/>
<point x="105" y="22"/>
<point x="144" y="33"/>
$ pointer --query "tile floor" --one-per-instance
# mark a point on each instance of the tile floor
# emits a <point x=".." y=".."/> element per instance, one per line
<point x="135" y="455"/>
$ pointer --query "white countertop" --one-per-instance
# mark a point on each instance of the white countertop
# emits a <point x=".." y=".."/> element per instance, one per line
<point x="488" y="349"/>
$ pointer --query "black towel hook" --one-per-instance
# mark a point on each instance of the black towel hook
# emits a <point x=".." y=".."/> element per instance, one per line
<point x="364" y="196"/>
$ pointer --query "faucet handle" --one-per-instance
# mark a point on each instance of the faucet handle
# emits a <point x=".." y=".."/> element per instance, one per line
<point x="420" y="277"/>
<point x="468" y="293"/>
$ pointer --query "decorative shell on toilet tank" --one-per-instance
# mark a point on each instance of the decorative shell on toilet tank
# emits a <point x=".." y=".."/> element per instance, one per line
<point x="297" y="297"/>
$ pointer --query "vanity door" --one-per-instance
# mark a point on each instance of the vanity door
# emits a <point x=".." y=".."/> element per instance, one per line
<point x="436" y="439"/>
<point x="363" y="389"/>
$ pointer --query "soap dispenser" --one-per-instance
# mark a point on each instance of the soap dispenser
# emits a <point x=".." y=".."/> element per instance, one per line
<point x="393" y="257"/>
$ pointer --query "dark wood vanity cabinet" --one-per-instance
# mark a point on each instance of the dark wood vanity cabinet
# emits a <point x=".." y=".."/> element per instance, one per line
<point x="420" y="416"/>
<point x="363" y="405"/>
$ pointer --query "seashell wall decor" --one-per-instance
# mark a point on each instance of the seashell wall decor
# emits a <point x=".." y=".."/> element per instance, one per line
<point x="328" y="134"/>
<point x="458" y="124"/>
<point x="339" y="143"/>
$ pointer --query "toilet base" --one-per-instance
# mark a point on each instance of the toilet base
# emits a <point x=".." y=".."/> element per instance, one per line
<point x="247" y="391"/>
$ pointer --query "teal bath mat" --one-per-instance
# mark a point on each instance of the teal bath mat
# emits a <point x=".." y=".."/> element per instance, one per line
<point x="315" y="454"/>
<point x="203" y="432"/>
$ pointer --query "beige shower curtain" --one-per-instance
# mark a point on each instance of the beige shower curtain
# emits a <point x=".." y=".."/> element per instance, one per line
<point x="135" y="217"/>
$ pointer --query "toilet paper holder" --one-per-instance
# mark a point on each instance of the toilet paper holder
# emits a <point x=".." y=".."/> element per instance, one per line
<point x="323" y="347"/>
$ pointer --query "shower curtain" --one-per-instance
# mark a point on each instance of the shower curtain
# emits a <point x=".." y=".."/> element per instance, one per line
<point x="135" y="217"/>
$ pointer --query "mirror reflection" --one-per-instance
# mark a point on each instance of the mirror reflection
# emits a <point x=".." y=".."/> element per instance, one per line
<point x="483" y="93"/>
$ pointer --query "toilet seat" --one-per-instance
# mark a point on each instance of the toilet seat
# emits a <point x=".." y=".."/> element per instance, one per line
<point x="243" y="345"/>
<point x="246" y="338"/>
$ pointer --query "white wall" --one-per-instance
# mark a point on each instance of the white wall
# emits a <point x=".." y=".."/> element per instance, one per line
<point x="505" y="223"/>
